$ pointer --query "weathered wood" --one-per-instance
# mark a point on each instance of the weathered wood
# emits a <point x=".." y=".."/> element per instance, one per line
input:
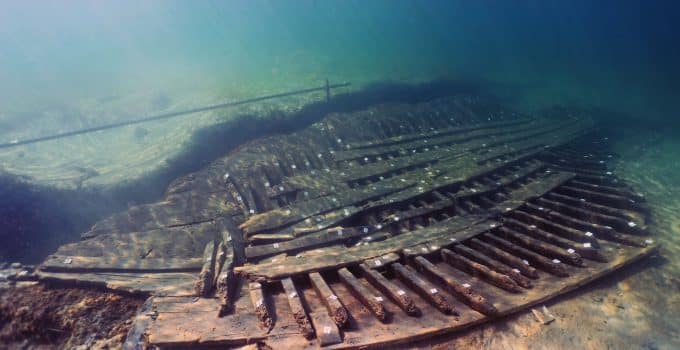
<point x="477" y="269"/>
<point x="464" y="292"/>
<point x="395" y="293"/>
<point x="319" y="239"/>
<point x="539" y="246"/>
<point x="587" y="215"/>
<point x="625" y="214"/>
<point x="439" y="137"/>
<point x="373" y="302"/>
<point x="258" y="299"/>
<point x="326" y="330"/>
<point x="338" y="258"/>
<point x="135" y="337"/>
<point x="562" y="230"/>
<point x="299" y="212"/>
<point x="609" y="200"/>
<point x="61" y="263"/>
<point x="204" y="284"/>
<point x="505" y="257"/>
<point x="299" y="314"/>
<point x="606" y="232"/>
<point x="145" y="283"/>
<point x="335" y="309"/>
<point x="588" y="251"/>
<point x="498" y="266"/>
<point x="427" y="290"/>
<point x="553" y="266"/>
<point x="436" y="233"/>
<point x="618" y="191"/>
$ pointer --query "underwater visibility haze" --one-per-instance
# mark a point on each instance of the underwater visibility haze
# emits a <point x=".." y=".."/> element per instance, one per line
<point x="503" y="154"/>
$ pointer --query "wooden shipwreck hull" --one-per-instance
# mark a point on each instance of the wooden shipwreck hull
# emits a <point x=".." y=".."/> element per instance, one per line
<point x="376" y="227"/>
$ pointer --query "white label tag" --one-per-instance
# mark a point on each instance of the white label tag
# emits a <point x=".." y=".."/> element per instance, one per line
<point x="378" y="263"/>
<point x="466" y="285"/>
<point x="571" y="251"/>
<point x="327" y="330"/>
<point x="525" y="262"/>
<point x="401" y="292"/>
<point x="340" y="232"/>
<point x="333" y="296"/>
<point x="433" y="291"/>
<point x="292" y="295"/>
<point x="276" y="245"/>
<point x="379" y="299"/>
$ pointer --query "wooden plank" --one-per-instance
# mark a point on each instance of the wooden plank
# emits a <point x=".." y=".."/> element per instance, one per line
<point x="474" y="268"/>
<point x="257" y="297"/>
<point x="505" y="257"/>
<point x="577" y="202"/>
<point x="326" y="330"/>
<point x="457" y="227"/>
<point x="299" y="314"/>
<point x="335" y="309"/>
<point x="337" y="258"/>
<point x="587" y="251"/>
<point x="358" y="149"/>
<point x="427" y="290"/>
<point x="603" y="232"/>
<point x="464" y="292"/>
<point x="319" y="239"/>
<point x="302" y="210"/>
<point x="373" y="302"/>
<point x="553" y="266"/>
<point x="395" y="293"/>
<point x="498" y="266"/>
<point x="562" y="230"/>
<point x="135" y="337"/>
<point x="55" y="263"/>
<point x="588" y="215"/>
<point x="204" y="284"/>
<point x="540" y="247"/>
<point x="181" y="209"/>
<point x="172" y="284"/>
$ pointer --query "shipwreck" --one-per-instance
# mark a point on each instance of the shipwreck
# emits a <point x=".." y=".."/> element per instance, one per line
<point x="380" y="226"/>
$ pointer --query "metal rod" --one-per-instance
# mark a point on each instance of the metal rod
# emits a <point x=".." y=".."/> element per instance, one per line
<point x="169" y="115"/>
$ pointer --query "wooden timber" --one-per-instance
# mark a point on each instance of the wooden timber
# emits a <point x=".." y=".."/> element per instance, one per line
<point x="367" y="229"/>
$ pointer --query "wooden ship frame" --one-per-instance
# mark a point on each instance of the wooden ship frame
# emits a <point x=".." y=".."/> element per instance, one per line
<point x="370" y="228"/>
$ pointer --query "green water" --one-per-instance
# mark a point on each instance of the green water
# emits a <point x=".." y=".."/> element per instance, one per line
<point x="619" y="55"/>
